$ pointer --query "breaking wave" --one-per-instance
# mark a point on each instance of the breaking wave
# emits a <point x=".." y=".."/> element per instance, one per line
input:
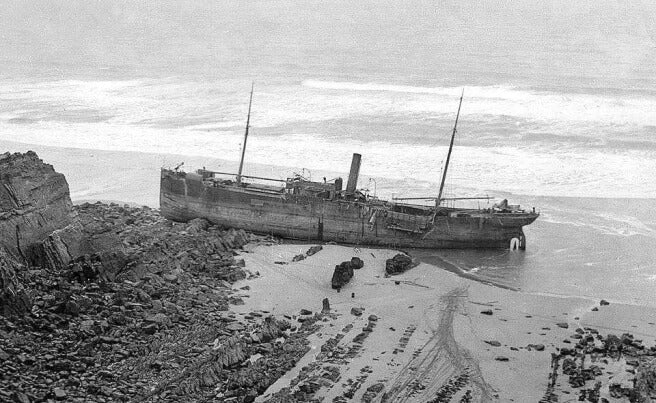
<point x="501" y="100"/>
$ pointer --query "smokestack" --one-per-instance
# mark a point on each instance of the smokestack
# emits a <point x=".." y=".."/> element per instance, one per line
<point x="353" y="175"/>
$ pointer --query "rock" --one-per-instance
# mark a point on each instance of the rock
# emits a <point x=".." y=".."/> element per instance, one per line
<point x="235" y="327"/>
<point x="313" y="250"/>
<point x="372" y="318"/>
<point x="14" y="297"/>
<point x="60" y="394"/>
<point x="150" y="328"/>
<point x="21" y="398"/>
<point x="493" y="343"/>
<point x="298" y="258"/>
<point x="399" y="264"/>
<point x="305" y="312"/>
<point x="487" y="312"/>
<point x="501" y="358"/>
<point x="356" y="263"/>
<point x="326" y="306"/>
<point x="159" y="318"/>
<point x="72" y="308"/>
<point x="604" y="302"/>
<point x="342" y="275"/>
<point x="198" y="225"/>
<point x="34" y="202"/>
<point x="357" y="311"/>
<point x="563" y="325"/>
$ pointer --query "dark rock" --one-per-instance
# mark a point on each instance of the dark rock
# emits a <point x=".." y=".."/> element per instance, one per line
<point x="399" y="264"/>
<point x="501" y="358"/>
<point x="357" y="263"/>
<point x="20" y="397"/>
<point x="326" y="306"/>
<point x="604" y="302"/>
<point x="72" y="308"/>
<point x="493" y="343"/>
<point x="342" y="275"/>
<point x="298" y="258"/>
<point x="487" y="312"/>
<point x="305" y="312"/>
<point x="14" y="298"/>
<point x="563" y="325"/>
<point x="313" y="250"/>
<point x="357" y="311"/>
<point x="59" y="394"/>
<point x="198" y="225"/>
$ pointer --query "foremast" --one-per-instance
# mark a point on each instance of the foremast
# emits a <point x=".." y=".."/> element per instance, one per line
<point x="248" y="122"/>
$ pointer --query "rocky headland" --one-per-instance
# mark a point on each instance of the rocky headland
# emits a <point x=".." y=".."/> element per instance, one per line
<point x="103" y="302"/>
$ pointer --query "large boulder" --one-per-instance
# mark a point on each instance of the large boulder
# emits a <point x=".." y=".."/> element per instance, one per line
<point x="34" y="202"/>
<point x="399" y="264"/>
<point x="344" y="272"/>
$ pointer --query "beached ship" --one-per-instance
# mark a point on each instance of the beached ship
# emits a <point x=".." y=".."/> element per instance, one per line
<point x="301" y="209"/>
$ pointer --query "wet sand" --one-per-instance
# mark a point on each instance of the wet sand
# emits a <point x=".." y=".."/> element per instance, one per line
<point x="435" y="334"/>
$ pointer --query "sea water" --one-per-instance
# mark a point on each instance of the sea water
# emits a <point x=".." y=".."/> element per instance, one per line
<point x="558" y="112"/>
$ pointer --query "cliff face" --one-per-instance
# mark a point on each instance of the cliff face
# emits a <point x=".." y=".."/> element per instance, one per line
<point x="34" y="202"/>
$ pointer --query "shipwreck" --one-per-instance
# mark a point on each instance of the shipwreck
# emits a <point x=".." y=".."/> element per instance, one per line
<point x="302" y="209"/>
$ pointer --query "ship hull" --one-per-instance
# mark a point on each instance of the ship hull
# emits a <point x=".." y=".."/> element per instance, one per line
<point x="342" y="221"/>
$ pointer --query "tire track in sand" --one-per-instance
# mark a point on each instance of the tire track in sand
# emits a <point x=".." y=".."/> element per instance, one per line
<point x="440" y="360"/>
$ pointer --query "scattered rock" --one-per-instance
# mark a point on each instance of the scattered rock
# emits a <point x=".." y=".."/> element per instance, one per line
<point x="298" y="258"/>
<point x="399" y="264"/>
<point x="313" y="250"/>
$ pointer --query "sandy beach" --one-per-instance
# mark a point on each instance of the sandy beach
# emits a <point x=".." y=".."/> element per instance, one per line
<point x="435" y="335"/>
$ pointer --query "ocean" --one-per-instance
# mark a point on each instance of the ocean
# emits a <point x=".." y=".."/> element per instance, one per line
<point x="558" y="113"/>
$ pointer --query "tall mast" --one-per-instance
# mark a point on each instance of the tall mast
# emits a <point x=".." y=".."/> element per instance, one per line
<point x="448" y="156"/>
<point x="243" y="148"/>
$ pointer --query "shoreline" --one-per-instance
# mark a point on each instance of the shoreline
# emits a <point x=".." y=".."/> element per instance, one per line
<point x="185" y="308"/>
<point x="490" y="344"/>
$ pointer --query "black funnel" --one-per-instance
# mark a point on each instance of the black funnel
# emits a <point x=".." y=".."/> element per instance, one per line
<point x="353" y="175"/>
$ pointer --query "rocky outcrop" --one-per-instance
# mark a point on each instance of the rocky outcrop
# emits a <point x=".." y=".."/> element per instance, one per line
<point x="34" y="202"/>
<point x="399" y="264"/>
<point x="154" y="310"/>
<point x="102" y="302"/>
<point x="14" y="299"/>
<point x="587" y="364"/>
